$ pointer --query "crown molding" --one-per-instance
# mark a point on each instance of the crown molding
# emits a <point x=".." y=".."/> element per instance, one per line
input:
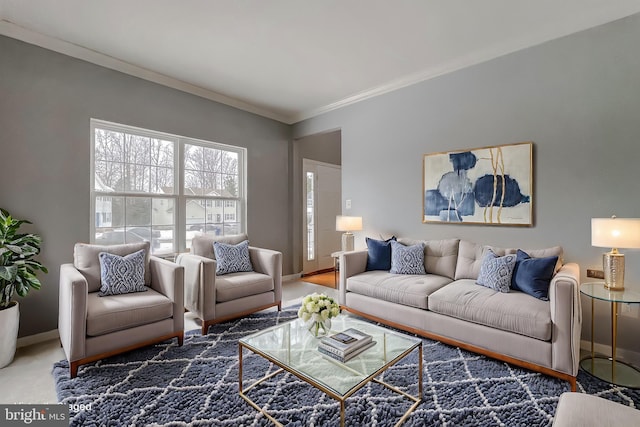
<point x="400" y="83"/>
<point x="474" y="58"/>
<point x="17" y="32"/>
<point x="543" y="35"/>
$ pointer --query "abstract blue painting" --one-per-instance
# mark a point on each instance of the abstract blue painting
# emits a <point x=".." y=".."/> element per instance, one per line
<point x="488" y="185"/>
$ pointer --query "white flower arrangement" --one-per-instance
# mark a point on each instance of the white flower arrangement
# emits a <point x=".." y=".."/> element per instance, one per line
<point x="318" y="307"/>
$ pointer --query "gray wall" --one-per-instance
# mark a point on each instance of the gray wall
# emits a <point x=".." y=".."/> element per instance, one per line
<point x="323" y="147"/>
<point x="577" y="98"/>
<point x="46" y="101"/>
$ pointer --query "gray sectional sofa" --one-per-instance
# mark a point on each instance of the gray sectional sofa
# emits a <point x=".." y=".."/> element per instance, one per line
<point x="446" y="304"/>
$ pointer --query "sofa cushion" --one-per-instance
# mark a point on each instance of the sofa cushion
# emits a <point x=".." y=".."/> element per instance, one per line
<point x="513" y="312"/>
<point x="533" y="275"/>
<point x="203" y="245"/>
<point x="556" y="251"/>
<point x="121" y="274"/>
<point x="440" y="256"/>
<point x="232" y="258"/>
<point x="407" y="259"/>
<point x="470" y="257"/>
<point x="238" y="285"/>
<point x="117" y="312"/>
<point x="86" y="260"/>
<point x="586" y="410"/>
<point x="379" y="254"/>
<point x="496" y="272"/>
<point x="410" y="290"/>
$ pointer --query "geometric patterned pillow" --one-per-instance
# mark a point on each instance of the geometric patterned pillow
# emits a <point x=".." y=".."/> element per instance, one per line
<point x="232" y="258"/>
<point x="121" y="274"/>
<point x="496" y="272"/>
<point x="407" y="259"/>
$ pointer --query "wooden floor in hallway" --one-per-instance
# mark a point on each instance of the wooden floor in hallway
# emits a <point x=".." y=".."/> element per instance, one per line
<point x="327" y="279"/>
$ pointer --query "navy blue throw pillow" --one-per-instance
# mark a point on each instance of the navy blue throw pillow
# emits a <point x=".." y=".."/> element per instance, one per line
<point x="533" y="275"/>
<point x="379" y="254"/>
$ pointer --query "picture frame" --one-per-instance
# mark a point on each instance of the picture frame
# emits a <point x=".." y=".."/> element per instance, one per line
<point x="487" y="185"/>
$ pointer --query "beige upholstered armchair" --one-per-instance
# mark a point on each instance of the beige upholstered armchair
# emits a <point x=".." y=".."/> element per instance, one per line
<point x="217" y="298"/>
<point x="93" y="327"/>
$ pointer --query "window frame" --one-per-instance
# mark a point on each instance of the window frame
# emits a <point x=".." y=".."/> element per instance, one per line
<point x="179" y="195"/>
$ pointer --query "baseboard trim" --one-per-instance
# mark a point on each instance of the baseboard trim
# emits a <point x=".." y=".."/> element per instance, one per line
<point x="38" y="338"/>
<point x="323" y="271"/>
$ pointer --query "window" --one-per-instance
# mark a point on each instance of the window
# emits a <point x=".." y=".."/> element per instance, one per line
<point x="163" y="188"/>
<point x="310" y="180"/>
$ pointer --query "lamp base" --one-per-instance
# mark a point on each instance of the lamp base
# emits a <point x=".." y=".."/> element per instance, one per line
<point x="347" y="242"/>
<point x="613" y="266"/>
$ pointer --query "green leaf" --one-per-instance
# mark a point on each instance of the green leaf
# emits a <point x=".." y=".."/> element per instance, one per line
<point x="8" y="273"/>
<point x="14" y="248"/>
<point x="17" y="266"/>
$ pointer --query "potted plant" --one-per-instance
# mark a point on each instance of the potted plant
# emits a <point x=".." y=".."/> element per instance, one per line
<point x="17" y="274"/>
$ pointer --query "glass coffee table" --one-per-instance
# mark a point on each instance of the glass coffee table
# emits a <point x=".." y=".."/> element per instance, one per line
<point x="293" y="349"/>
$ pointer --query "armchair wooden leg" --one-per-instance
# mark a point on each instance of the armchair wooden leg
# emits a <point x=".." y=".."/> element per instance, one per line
<point x="280" y="306"/>
<point x="73" y="369"/>
<point x="180" y="339"/>
<point x="205" y="327"/>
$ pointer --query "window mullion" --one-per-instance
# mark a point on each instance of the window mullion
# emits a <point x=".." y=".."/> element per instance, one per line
<point x="181" y="208"/>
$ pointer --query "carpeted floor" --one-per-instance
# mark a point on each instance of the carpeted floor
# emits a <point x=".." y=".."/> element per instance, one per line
<point x="197" y="384"/>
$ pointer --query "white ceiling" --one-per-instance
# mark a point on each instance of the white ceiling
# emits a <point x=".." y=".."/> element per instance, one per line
<point x="293" y="59"/>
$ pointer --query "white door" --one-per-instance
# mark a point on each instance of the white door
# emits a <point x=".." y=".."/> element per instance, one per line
<point x="322" y="202"/>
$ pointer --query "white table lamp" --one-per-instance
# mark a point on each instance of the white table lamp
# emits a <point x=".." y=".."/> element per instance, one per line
<point x="615" y="233"/>
<point x="348" y="224"/>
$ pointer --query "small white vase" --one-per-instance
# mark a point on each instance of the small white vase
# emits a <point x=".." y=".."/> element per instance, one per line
<point x="319" y="328"/>
<point x="9" y="323"/>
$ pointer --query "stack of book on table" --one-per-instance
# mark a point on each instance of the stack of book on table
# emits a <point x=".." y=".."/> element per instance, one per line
<point x="345" y="345"/>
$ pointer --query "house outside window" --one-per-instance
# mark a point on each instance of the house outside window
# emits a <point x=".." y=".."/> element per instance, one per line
<point x="164" y="188"/>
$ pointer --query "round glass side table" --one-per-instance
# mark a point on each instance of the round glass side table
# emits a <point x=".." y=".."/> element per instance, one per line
<point x="608" y="368"/>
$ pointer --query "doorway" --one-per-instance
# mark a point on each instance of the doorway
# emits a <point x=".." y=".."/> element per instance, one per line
<point x="322" y="196"/>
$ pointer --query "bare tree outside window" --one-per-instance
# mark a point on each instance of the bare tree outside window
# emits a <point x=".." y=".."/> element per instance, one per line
<point x="135" y="192"/>
<point x="133" y="163"/>
<point x="212" y="174"/>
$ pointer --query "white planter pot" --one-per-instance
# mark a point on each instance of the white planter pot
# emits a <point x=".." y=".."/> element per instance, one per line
<point x="9" y="323"/>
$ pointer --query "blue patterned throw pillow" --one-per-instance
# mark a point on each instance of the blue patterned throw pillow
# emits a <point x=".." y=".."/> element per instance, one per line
<point x="121" y="274"/>
<point x="407" y="259"/>
<point x="496" y="272"/>
<point x="232" y="258"/>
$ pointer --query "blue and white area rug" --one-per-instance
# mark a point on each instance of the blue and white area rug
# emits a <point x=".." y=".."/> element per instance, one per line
<point x="197" y="384"/>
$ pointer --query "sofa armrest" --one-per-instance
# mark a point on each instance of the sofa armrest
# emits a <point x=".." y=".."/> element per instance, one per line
<point x="351" y="263"/>
<point x="199" y="284"/>
<point x="566" y="316"/>
<point x="168" y="278"/>
<point x="269" y="262"/>
<point x="72" y="312"/>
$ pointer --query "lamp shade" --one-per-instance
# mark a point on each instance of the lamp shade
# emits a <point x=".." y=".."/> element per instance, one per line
<point x="348" y="223"/>
<point x="615" y="232"/>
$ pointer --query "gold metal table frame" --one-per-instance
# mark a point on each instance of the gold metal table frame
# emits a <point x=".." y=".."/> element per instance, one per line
<point x="610" y="369"/>
<point x="340" y="398"/>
